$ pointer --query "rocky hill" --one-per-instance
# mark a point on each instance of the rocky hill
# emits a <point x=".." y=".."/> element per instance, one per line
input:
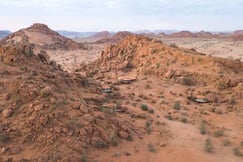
<point x="192" y="103"/>
<point x="149" y="56"/>
<point x="42" y="37"/>
<point x="47" y="114"/>
<point x="237" y="35"/>
<point x="101" y="35"/>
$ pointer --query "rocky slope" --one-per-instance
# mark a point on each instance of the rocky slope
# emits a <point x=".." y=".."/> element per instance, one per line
<point x="47" y="114"/>
<point x="189" y="104"/>
<point x="180" y="65"/>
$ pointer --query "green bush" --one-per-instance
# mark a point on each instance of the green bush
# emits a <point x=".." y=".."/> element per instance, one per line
<point x="144" y="107"/>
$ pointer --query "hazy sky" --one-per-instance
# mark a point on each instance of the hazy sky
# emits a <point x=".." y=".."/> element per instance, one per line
<point x="113" y="15"/>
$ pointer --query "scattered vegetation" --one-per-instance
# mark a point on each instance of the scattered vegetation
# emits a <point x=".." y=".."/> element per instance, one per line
<point x="232" y="101"/>
<point x="203" y="129"/>
<point x="148" y="127"/>
<point x="151" y="148"/>
<point x="177" y="105"/>
<point x="151" y="111"/>
<point x="3" y="138"/>
<point x="84" y="82"/>
<point x="188" y="81"/>
<point x="114" y="142"/>
<point x="208" y="145"/>
<point x="184" y="120"/>
<point x="130" y="138"/>
<point x="169" y="117"/>
<point x="226" y="142"/>
<point x="144" y="107"/>
<point x="100" y="145"/>
<point x="237" y="152"/>
<point x="219" y="133"/>
<point x="83" y="157"/>
<point x="173" y="45"/>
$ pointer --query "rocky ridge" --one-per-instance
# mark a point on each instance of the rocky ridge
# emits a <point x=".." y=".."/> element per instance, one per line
<point x="44" y="109"/>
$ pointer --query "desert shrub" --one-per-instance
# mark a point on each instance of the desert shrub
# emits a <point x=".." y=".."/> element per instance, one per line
<point x="100" y="145"/>
<point x="3" y="138"/>
<point x="114" y="142"/>
<point x="83" y="157"/>
<point x="151" y="148"/>
<point x="173" y="45"/>
<point x="232" y="101"/>
<point x="148" y="127"/>
<point x="203" y="130"/>
<point x="144" y="107"/>
<point x="169" y="117"/>
<point x="130" y="138"/>
<point x="237" y="152"/>
<point x="219" y="133"/>
<point x="177" y="105"/>
<point x="84" y="82"/>
<point x="184" y="120"/>
<point x="208" y="145"/>
<point x="151" y="111"/>
<point x="226" y="142"/>
<point x="188" y="81"/>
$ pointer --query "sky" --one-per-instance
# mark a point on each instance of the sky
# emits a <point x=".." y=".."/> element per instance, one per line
<point x="115" y="15"/>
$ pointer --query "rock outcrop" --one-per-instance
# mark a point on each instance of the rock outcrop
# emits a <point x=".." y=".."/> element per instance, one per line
<point x="150" y="56"/>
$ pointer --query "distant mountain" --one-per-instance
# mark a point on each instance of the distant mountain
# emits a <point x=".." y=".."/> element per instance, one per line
<point x="154" y="31"/>
<point x="73" y="34"/>
<point x="101" y="35"/>
<point x="115" y="37"/>
<point x="4" y="33"/>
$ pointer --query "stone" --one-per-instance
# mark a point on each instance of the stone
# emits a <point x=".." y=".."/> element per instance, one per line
<point x="16" y="150"/>
<point x="76" y="105"/>
<point x="218" y="110"/>
<point x="53" y="100"/>
<point x="162" y="144"/>
<point x="38" y="107"/>
<point x="7" y="113"/>
<point x="83" y="109"/>
<point x="170" y="74"/>
<point x="117" y="154"/>
<point x="4" y="149"/>
<point x="110" y="105"/>
<point x="123" y="134"/>
<point x="127" y="153"/>
<point x="46" y="91"/>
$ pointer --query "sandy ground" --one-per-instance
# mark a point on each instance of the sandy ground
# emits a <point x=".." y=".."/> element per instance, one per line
<point x="71" y="60"/>
<point x="225" y="48"/>
<point x="174" y="140"/>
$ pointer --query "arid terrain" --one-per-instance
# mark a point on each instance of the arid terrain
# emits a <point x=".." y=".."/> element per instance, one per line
<point x="119" y="98"/>
<point x="217" y="47"/>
